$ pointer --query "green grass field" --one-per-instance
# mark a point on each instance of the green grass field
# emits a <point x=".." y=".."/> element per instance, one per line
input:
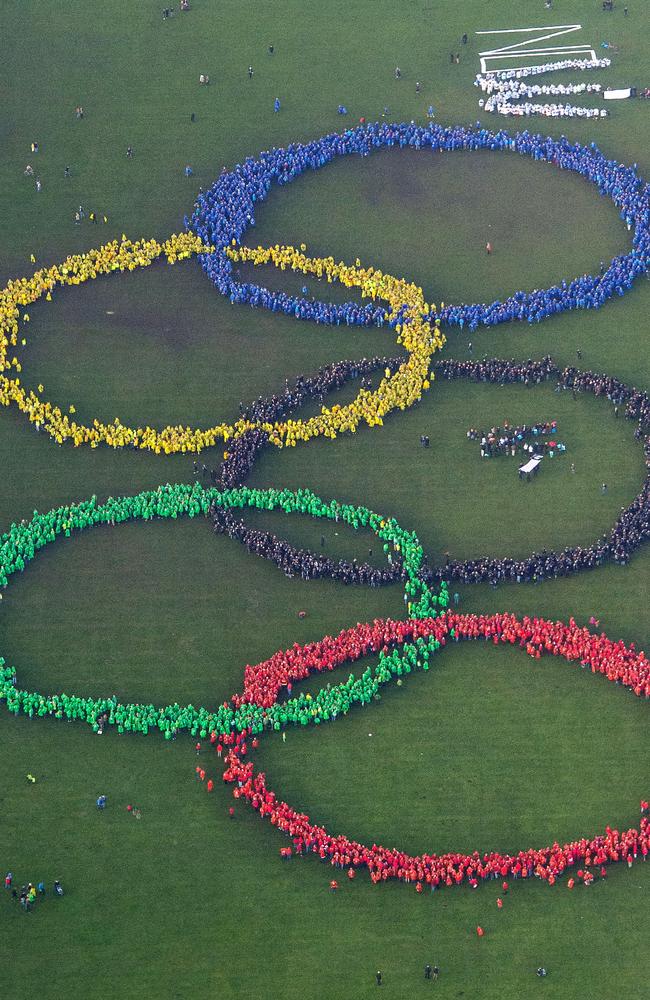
<point x="488" y="750"/>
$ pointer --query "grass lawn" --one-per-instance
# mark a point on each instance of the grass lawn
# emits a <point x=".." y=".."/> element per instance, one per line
<point x="488" y="750"/>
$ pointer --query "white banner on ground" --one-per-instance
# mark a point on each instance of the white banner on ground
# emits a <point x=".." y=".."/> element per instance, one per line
<point x="519" y="49"/>
<point x="617" y="95"/>
<point x="509" y="94"/>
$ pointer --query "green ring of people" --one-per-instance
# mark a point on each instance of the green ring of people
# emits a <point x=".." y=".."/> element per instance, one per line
<point x="20" y="544"/>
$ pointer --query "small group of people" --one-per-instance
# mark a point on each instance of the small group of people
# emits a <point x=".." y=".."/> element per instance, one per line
<point x="81" y="214"/>
<point x="430" y="972"/>
<point x="170" y="11"/>
<point x="28" y="893"/>
<point x="507" y="440"/>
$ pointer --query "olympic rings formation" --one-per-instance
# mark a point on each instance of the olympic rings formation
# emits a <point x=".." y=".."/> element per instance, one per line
<point x="631" y="529"/>
<point x="400" y="388"/>
<point x="226" y="211"/>
<point x="221" y="218"/>
<point x="618" y="663"/>
<point x="403" y="647"/>
<point x="23" y="541"/>
<point x="406" y="313"/>
<point x="76" y="270"/>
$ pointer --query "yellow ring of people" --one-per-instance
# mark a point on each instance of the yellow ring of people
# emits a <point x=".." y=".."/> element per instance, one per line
<point x="419" y="337"/>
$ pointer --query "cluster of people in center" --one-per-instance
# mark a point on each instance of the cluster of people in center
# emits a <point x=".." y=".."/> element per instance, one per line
<point x="226" y="211"/>
<point x="507" y="440"/>
<point x="621" y="665"/>
<point x="632" y="526"/>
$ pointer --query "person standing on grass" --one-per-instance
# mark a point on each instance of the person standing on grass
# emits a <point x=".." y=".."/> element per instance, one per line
<point x="378" y="977"/>
<point x="488" y="247"/>
<point x="427" y="971"/>
<point x="276" y="104"/>
<point x="250" y="72"/>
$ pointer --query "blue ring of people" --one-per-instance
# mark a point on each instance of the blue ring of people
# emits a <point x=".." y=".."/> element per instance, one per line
<point x="224" y="213"/>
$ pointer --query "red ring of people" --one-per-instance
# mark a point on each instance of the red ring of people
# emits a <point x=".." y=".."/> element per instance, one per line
<point x="621" y="664"/>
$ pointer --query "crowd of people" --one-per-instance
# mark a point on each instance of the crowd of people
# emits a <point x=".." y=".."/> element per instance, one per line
<point x="301" y="562"/>
<point x="631" y="529"/>
<point x="507" y="440"/>
<point x="243" y="449"/>
<point x="407" y="313"/>
<point x="501" y="104"/>
<point x="621" y="665"/>
<point x="225" y="212"/>
<point x="524" y="72"/>
<point x="402" y="647"/>
<point x="22" y="542"/>
<point x="503" y="87"/>
<point x="18" y="294"/>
